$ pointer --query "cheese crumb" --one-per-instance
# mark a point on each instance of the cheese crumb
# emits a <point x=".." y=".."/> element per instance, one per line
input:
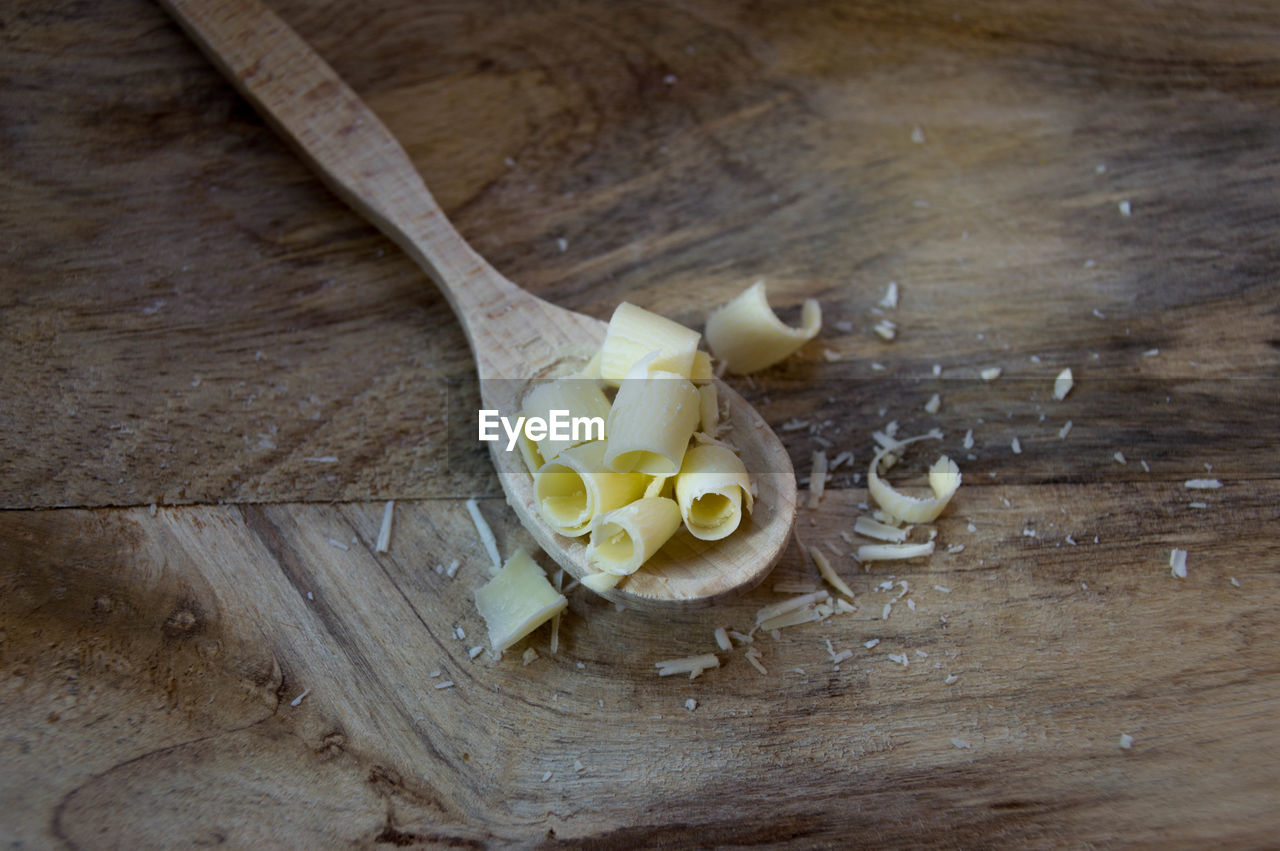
<point x="297" y="701"/>
<point x="1065" y="430"/>
<point x="942" y="588"/>
<point x="960" y="743"/>
<point x="1126" y="209"/>
<point x="1119" y="456"/>
<point x="691" y="704"/>
<point x="722" y="639"/>
<point x="872" y="643"/>
<point x="1062" y="384"/>
<point x="890" y="298"/>
<point x="1202" y="484"/>
<point x="445" y="684"/>
<point x="1016" y="446"/>
<point x="1126" y="741"/>
<point x="384" y="533"/>
<point x="486" y="534"/>
<point x="1235" y="582"/>
<point x="1178" y="563"/>
<point x="934" y="403"/>
<point x="951" y="678"/>
<point x="475" y="651"/>
<point x="991" y="373"/>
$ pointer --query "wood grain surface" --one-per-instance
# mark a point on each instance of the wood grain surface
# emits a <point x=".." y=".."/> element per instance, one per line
<point x="188" y="318"/>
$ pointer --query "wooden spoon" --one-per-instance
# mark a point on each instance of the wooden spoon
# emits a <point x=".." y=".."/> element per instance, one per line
<point x="516" y="337"/>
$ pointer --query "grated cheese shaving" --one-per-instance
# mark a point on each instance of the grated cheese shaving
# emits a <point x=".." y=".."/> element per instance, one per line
<point x="890" y="552"/>
<point x="829" y="574"/>
<point x="1202" y="484"/>
<point x="691" y="704"/>
<point x="1178" y="563"/>
<point x="445" y="684"/>
<point x="753" y="656"/>
<point x="1126" y="741"/>
<point x="872" y="643"/>
<point x="475" y="651"/>
<point x="890" y="298"/>
<point x="1062" y="384"/>
<point x="687" y="665"/>
<point x="870" y="528"/>
<point x="297" y="701"/>
<point x="1016" y="446"/>
<point x="991" y="373"/>
<point x="774" y="609"/>
<point x="960" y="743"/>
<point x="792" y="618"/>
<point x="486" y="534"/>
<point x="1065" y="430"/>
<point x="722" y="639"/>
<point x="384" y="533"/>
<point x="817" y="478"/>
<point x="934" y="403"/>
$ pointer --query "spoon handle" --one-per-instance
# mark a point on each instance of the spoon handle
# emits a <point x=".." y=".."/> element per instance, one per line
<point x="308" y="104"/>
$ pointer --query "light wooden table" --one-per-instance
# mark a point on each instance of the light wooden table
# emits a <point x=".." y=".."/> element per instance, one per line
<point x="188" y="319"/>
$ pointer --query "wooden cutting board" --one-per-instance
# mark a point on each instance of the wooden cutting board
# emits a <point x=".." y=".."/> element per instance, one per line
<point x="190" y="321"/>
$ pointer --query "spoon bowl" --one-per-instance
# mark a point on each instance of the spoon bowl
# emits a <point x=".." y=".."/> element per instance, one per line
<point x="516" y="338"/>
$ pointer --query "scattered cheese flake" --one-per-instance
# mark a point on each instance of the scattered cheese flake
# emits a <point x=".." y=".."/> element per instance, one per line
<point x="1126" y="209"/>
<point x="1062" y="384"/>
<point x="960" y="743"/>
<point x="841" y="656"/>
<point x="322" y="459"/>
<point x="817" y="478"/>
<point x="1202" y="484"/>
<point x="890" y="298"/>
<point x="1070" y="540"/>
<point x="872" y="643"/>
<point x="844" y="606"/>
<point x="829" y="574"/>
<point x="911" y="604"/>
<point x="1235" y="582"/>
<point x="991" y="373"/>
<point x="942" y="588"/>
<point x="475" y="651"/>
<point x="338" y="544"/>
<point x="937" y="369"/>
<point x="384" y="533"/>
<point x="955" y="548"/>
<point x="578" y="766"/>
<point x="530" y="655"/>
<point x="1016" y="446"/>
<point x="1178" y="563"/>
<point x="1028" y="533"/>
<point x="452" y="569"/>
<point x="445" y="684"/>
<point x="297" y="701"/>
<point x="901" y="659"/>
<point x="792" y="618"/>
<point x="691" y="704"/>
<point x="1146" y="468"/>
<point x="753" y="656"/>
<point x="1151" y="353"/>
<point x="886" y="329"/>
<point x="869" y="528"/>
<point x="151" y="509"/>
<point x="546" y="777"/>
<point x="486" y="534"/>
<point x="934" y="403"/>
<point x="1065" y="430"/>
<point x="772" y="610"/>
<point x="1126" y="741"/>
<point x="888" y="609"/>
<point x="922" y="654"/>
<point x="951" y="678"/>
<point x="888" y="552"/>
<point x="687" y="664"/>
<point x="722" y="639"/>
<point x="968" y="439"/>
<point x="1119" y="456"/>
<point x="740" y="637"/>
<point x="435" y="673"/>
<point x="917" y="135"/>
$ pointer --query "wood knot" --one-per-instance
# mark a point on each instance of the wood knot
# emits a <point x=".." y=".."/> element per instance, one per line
<point x="332" y="745"/>
<point x="179" y="623"/>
